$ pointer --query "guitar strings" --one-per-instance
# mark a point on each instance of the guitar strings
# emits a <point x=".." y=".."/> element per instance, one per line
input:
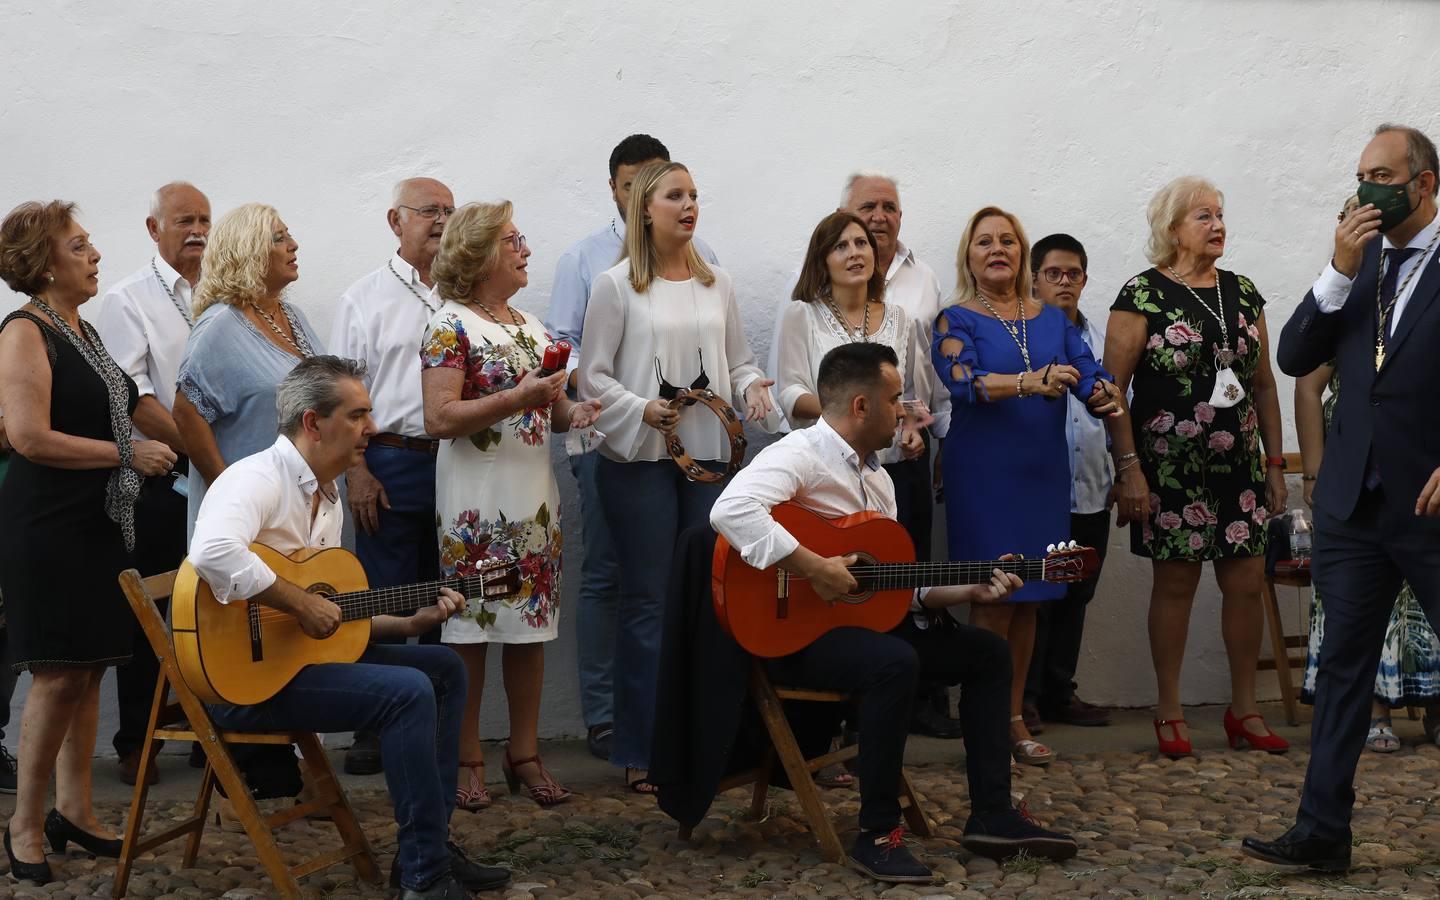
<point x="356" y="605"/>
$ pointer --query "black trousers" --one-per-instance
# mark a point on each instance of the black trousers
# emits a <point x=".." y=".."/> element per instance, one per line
<point x="1358" y="565"/>
<point x="915" y="498"/>
<point x="1060" y="624"/>
<point x="159" y="547"/>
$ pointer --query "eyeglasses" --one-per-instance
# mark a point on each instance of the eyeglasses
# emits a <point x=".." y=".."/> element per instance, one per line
<point x="1056" y="275"/>
<point x="430" y="212"/>
<point x="516" y="240"/>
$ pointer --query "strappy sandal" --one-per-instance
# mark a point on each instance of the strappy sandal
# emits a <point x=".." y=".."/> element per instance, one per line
<point x="547" y="793"/>
<point x="641" y="785"/>
<point x="473" y="796"/>
<point x="834" y="777"/>
<point x="1029" y="751"/>
<point x="1382" y="737"/>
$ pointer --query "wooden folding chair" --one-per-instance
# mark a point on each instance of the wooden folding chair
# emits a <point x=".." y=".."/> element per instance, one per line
<point x="168" y="721"/>
<point x="800" y="771"/>
<point x="1287" y="651"/>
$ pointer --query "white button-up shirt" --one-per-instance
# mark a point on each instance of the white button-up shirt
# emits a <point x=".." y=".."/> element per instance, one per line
<point x="264" y="498"/>
<point x="575" y="275"/>
<point x="1090" y="476"/>
<point x="380" y="321"/>
<point x="1331" y="288"/>
<point x="144" y="331"/>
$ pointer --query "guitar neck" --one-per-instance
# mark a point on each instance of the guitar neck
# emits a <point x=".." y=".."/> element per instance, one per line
<point x="404" y="598"/>
<point x="893" y="576"/>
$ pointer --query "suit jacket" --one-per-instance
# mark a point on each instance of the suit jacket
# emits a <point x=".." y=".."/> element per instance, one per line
<point x="1390" y="414"/>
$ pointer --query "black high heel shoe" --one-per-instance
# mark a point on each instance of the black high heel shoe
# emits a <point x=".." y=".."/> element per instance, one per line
<point x="60" y="831"/>
<point x="22" y="871"/>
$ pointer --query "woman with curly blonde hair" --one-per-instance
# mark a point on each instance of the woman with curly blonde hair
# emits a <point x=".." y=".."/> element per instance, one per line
<point x="246" y="338"/>
<point x="495" y="492"/>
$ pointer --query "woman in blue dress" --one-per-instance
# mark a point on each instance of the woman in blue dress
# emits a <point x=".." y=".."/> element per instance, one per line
<point x="1006" y="358"/>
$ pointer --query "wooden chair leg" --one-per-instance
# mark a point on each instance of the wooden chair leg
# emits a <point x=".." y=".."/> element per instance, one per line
<point x="317" y="766"/>
<point x="783" y="739"/>
<point x="142" y="790"/>
<point x="914" y="816"/>
<point x="760" y="791"/>
<point x="202" y="811"/>
<point x="1281" y="652"/>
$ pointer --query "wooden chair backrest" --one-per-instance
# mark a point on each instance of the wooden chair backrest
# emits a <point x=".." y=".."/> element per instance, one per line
<point x="142" y="594"/>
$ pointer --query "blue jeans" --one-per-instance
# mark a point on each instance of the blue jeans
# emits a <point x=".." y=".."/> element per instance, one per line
<point x="647" y="505"/>
<point x="413" y="696"/>
<point x="405" y="549"/>
<point x="599" y="598"/>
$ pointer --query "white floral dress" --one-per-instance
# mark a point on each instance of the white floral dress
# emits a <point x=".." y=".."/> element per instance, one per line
<point x="496" y="497"/>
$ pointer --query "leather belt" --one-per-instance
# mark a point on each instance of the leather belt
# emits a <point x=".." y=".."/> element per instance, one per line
<point x="401" y="442"/>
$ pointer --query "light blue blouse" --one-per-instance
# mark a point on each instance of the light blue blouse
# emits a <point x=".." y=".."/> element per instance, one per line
<point x="229" y="373"/>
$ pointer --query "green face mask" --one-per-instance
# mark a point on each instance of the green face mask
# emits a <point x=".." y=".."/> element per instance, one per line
<point x="1393" y="201"/>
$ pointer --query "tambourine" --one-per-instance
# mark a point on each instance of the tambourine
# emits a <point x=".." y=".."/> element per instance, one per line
<point x="734" y="428"/>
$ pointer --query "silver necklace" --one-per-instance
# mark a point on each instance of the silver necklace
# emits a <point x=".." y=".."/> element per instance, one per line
<point x="184" y="313"/>
<point x="300" y="342"/>
<point x="1382" y="310"/>
<point x="1019" y="333"/>
<point x="845" y="323"/>
<point x="1224" y="356"/>
<point x="514" y="339"/>
<point x="411" y="288"/>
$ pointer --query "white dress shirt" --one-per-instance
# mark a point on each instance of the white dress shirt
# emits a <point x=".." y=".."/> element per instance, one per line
<point x="1090" y="477"/>
<point x="810" y="330"/>
<point x="380" y="321"/>
<point x="144" y="331"/>
<point x="264" y="498"/>
<point x="1331" y="288"/>
<point x="575" y="276"/>
<point x="628" y="332"/>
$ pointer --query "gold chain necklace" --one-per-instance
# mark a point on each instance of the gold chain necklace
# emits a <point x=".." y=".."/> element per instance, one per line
<point x="514" y="339"/>
<point x="845" y="323"/>
<point x="299" y="342"/>
<point x="1018" y="330"/>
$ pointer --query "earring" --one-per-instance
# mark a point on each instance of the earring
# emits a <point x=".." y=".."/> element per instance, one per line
<point x="50" y="277"/>
<point x="647" y="220"/>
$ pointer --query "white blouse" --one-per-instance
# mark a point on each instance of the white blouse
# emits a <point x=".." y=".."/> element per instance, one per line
<point x="680" y="324"/>
<point x="810" y="330"/>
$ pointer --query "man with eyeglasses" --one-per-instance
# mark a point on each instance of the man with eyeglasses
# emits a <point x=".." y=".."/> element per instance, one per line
<point x="145" y="321"/>
<point x="1059" y="264"/>
<point x="379" y="322"/>
<point x="599" y="571"/>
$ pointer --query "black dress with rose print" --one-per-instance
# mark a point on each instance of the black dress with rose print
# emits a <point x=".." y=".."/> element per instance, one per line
<point x="1203" y="464"/>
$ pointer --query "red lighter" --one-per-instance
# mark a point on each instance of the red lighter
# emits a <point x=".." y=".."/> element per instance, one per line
<point x="555" y="358"/>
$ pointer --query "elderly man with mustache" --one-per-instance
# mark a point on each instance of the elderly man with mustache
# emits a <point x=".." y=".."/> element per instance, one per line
<point x="145" y="321"/>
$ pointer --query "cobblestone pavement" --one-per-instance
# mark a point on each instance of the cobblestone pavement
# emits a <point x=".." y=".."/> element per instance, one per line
<point x="1147" y="827"/>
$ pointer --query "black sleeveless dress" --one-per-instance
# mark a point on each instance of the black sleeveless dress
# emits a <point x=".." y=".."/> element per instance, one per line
<point x="60" y="553"/>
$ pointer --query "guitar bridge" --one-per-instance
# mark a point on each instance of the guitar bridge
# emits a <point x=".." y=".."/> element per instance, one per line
<point x="782" y="594"/>
<point x="257" y="647"/>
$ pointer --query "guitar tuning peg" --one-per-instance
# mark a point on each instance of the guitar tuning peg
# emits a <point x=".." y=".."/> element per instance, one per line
<point x="1073" y="545"/>
<point x="1049" y="548"/>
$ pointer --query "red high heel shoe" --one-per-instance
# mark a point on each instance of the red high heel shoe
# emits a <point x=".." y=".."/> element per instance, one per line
<point x="1235" y="731"/>
<point x="1175" y="747"/>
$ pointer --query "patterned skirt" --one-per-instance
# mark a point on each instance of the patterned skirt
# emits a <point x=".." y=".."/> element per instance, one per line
<point x="1409" y="673"/>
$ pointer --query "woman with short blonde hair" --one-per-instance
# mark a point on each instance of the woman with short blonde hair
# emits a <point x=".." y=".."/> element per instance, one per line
<point x="660" y="321"/>
<point x="246" y="338"/>
<point x="1192" y="480"/>
<point x="496" y="499"/>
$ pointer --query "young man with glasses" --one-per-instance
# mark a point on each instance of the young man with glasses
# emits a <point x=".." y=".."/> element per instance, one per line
<point x="1059" y="263"/>
<point x="599" y="572"/>
<point x="391" y="491"/>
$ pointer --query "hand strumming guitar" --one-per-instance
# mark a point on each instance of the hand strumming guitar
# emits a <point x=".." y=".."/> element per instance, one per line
<point x="829" y="576"/>
<point x="318" y="615"/>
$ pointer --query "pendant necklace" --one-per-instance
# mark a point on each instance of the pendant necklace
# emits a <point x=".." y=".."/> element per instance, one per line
<point x="411" y="288"/>
<point x="1224" y="356"/>
<point x="1018" y="330"/>
<point x="864" y="337"/>
<point x="1384" y="309"/>
<point x="514" y="339"/>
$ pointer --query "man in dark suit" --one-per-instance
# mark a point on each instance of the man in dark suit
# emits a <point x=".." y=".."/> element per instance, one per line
<point x="1374" y="311"/>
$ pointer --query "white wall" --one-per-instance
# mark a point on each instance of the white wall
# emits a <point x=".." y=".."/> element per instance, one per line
<point x="1069" y="114"/>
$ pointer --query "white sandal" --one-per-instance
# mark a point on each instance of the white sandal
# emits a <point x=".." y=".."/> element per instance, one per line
<point x="1382" y="737"/>
<point x="1029" y="751"/>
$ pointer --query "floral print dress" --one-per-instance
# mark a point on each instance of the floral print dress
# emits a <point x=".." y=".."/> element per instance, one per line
<point x="495" y="493"/>
<point x="1204" y="464"/>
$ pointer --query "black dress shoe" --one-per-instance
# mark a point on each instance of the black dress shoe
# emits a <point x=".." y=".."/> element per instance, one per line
<point x="363" y="757"/>
<point x="598" y="739"/>
<point x="1076" y="712"/>
<point x="22" y="871"/>
<point x="471" y="875"/>
<point x="930" y="722"/>
<point x="60" y="831"/>
<point x="1290" y="849"/>
<point x="1004" y="834"/>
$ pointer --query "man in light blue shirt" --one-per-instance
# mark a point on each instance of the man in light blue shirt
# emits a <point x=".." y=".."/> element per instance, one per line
<point x="599" y="572"/>
<point x="1059" y="264"/>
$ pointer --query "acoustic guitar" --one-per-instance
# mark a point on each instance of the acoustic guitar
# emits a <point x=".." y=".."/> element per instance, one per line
<point x="244" y="652"/>
<point x="771" y="613"/>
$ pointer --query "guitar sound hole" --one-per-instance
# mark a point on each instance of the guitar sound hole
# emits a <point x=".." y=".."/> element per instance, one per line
<point x="863" y="594"/>
<point x="324" y="589"/>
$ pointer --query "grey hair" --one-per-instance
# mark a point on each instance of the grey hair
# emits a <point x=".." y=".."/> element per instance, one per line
<point x="157" y="200"/>
<point x="864" y="173"/>
<point x="398" y="192"/>
<point x="1420" y="153"/>
<point x="314" y="383"/>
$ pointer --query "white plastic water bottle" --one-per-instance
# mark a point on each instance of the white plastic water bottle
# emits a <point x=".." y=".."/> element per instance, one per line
<point x="1299" y="535"/>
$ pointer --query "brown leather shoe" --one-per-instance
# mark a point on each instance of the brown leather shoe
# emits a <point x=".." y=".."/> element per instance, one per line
<point x="1031" y="716"/>
<point x="130" y="769"/>
<point x="1078" y="712"/>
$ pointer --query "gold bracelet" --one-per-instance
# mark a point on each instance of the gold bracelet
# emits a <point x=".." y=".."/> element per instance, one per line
<point x="1020" y="385"/>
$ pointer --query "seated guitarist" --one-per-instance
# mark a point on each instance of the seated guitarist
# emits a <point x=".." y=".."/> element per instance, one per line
<point x="412" y="695"/>
<point x="831" y="469"/>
